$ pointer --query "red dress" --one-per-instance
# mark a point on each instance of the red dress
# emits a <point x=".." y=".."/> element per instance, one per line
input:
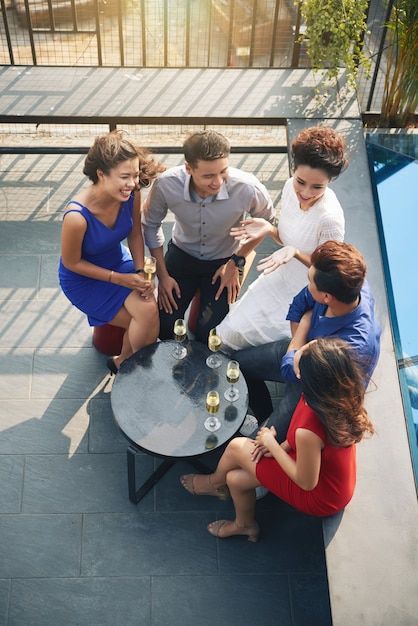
<point x="337" y="476"/>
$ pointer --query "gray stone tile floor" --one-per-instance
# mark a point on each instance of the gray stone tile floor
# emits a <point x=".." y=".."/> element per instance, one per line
<point x="73" y="549"/>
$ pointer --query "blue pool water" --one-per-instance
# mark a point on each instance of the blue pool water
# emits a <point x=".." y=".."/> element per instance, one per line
<point x="395" y="181"/>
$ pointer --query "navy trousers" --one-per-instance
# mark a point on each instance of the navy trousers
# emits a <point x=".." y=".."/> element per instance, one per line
<point x="193" y="274"/>
<point x="262" y="363"/>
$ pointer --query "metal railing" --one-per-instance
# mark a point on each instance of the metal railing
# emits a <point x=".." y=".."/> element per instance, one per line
<point x="150" y="33"/>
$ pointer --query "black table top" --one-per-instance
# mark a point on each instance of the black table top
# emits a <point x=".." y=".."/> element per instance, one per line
<point x="159" y="403"/>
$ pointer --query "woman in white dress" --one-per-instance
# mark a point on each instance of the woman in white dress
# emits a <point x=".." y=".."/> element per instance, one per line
<point x="310" y="214"/>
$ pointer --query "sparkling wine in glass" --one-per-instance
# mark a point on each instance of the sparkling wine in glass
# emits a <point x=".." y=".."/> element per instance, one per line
<point x="232" y="376"/>
<point x="212" y="406"/>
<point x="214" y="343"/>
<point x="150" y="267"/>
<point x="180" y="334"/>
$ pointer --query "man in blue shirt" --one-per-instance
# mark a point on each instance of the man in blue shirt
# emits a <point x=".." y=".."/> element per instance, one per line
<point x="207" y="199"/>
<point x="337" y="302"/>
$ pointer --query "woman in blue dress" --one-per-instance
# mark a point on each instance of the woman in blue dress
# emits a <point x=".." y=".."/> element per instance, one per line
<point x="97" y="273"/>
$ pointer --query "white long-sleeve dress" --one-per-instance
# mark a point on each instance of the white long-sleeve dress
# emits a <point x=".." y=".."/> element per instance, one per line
<point x="260" y="315"/>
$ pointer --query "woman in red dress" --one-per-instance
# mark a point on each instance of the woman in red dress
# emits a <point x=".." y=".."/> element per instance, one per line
<point x="314" y="469"/>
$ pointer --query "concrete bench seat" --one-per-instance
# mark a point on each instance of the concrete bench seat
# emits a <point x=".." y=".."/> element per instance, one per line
<point x="370" y="548"/>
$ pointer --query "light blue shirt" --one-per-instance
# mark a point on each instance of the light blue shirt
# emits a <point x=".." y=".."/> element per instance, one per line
<point x="202" y="225"/>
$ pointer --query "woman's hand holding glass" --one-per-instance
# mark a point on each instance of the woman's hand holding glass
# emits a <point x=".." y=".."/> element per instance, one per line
<point x="275" y="260"/>
<point x="254" y="228"/>
<point x="143" y="280"/>
<point x="150" y="267"/>
<point x="144" y="287"/>
<point x="132" y="280"/>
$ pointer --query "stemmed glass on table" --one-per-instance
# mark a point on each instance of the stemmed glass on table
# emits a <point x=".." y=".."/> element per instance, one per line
<point x="212" y="406"/>
<point x="232" y="376"/>
<point x="214" y="343"/>
<point x="180" y="334"/>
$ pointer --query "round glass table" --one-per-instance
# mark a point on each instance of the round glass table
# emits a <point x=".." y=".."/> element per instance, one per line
<point x="159" y="405"/>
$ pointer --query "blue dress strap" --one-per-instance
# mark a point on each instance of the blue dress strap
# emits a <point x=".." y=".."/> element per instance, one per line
<point x="75" y="202"/>
<point x="74" y="210"/>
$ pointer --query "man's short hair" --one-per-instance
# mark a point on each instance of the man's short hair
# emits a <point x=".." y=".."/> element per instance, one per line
<point x="340" y="270"/>
<point x="206" y="145"/>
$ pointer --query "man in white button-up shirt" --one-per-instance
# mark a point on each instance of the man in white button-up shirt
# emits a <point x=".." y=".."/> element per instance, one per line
<point x="207" y="198"/>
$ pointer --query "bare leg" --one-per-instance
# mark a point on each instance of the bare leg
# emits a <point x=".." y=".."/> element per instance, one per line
<point x="237" y="470"/>
<point x="242" y="481"/>
<point x="145" y="323"/>
<point x="140" y="318"/>
<point x="242" y="487"/>
<point x="237" y="456"/>
<point x="126" y="350"/>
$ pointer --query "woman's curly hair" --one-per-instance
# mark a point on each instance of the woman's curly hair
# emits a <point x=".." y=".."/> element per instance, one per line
<point x="320" y="147"/>
<point x="333" y="386"/>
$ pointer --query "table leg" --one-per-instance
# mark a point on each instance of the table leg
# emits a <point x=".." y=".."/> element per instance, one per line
<point x="203" y="469"/>
<point x="136" y="495"/>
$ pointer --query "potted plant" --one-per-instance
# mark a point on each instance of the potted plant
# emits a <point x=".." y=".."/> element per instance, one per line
<point x="334" y="31"/>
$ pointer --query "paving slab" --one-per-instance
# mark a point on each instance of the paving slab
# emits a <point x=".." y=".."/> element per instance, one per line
<point x="15" y="373"/>
<point x="216" y="601"/>
<point x="81" y="601"/>
<point x="5" y="586"/>
<point x="83" y="483"/>
<point x="40" y="546"/>
<point x="43" y="426"/>
<point x="11" y="484"/>
<point x="131" y="544"/>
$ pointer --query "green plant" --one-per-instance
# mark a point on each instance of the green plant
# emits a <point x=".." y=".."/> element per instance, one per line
<point x="400" y="96"/>
<point x="334" y="34"/>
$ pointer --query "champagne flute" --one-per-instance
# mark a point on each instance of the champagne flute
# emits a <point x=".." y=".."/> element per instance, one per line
<point x="232" y="376"/>
<point x="150" y="267"/>
<point x="212" y="406"/>
<point x="214" y="343"/>
<point x="180" y="334"/>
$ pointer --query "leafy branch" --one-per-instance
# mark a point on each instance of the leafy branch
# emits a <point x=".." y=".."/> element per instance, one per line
<point x="334" y="35"/>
